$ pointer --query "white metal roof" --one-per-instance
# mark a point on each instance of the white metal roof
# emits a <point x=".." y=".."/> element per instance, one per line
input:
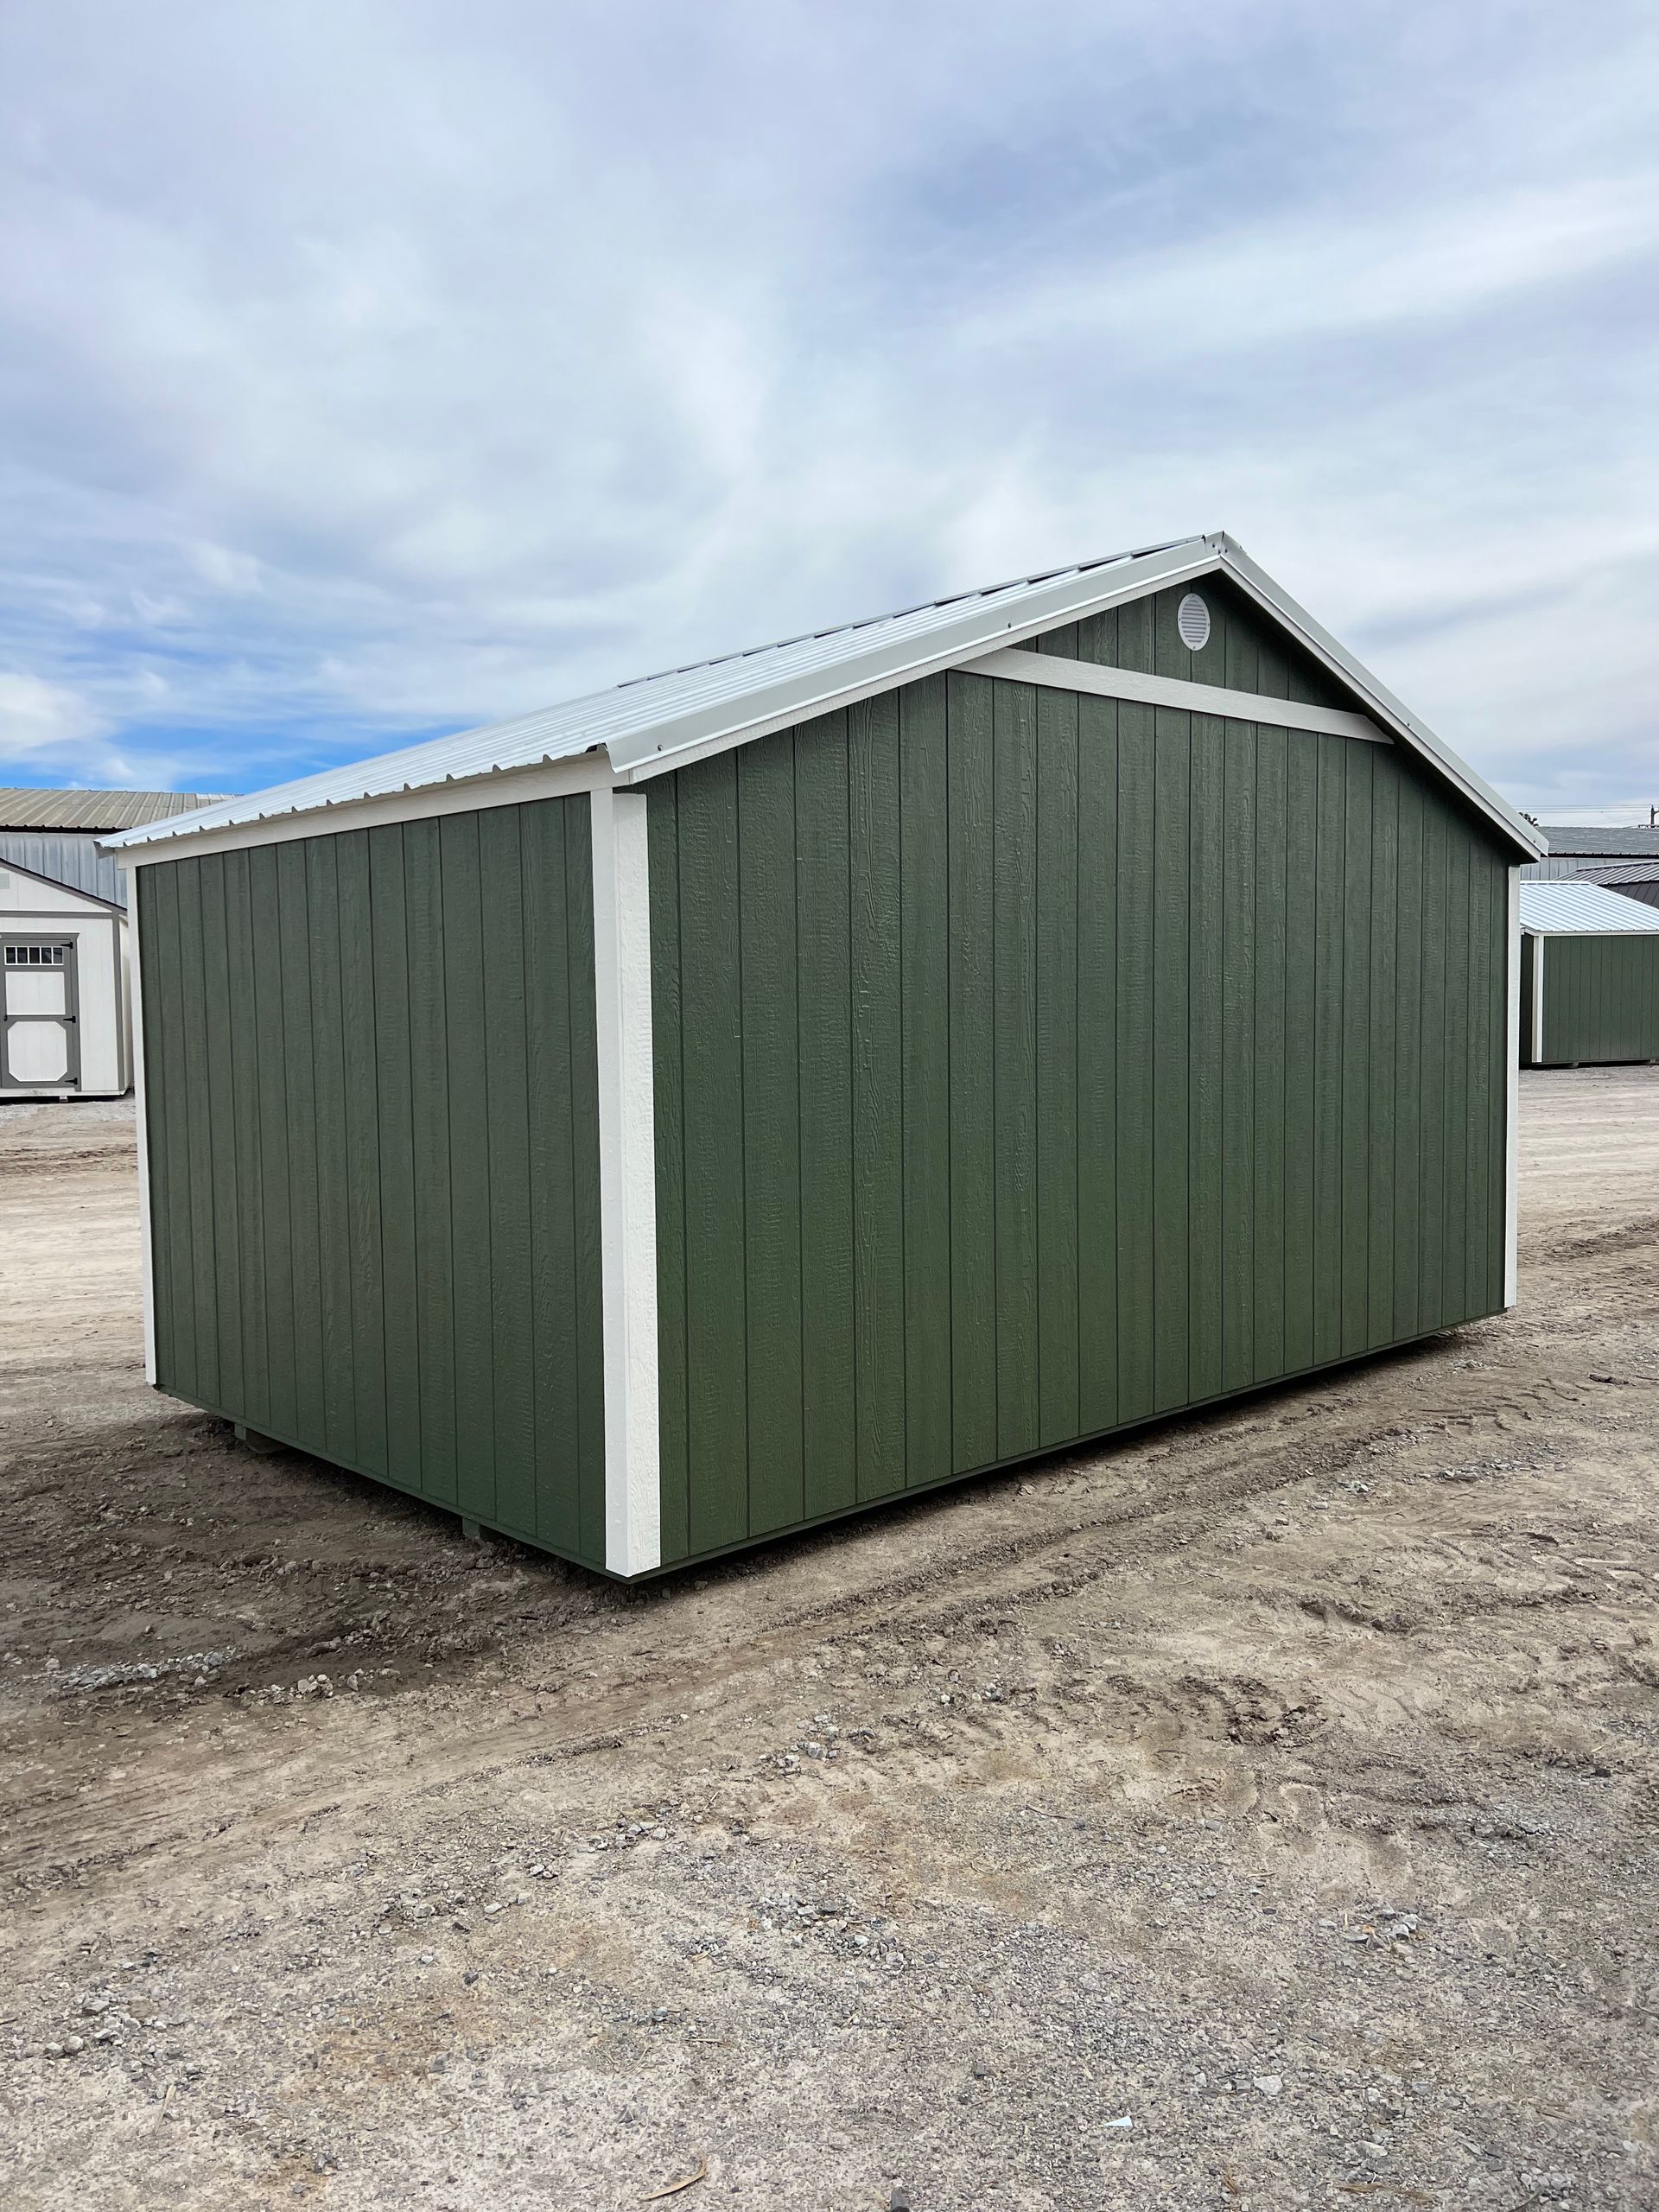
<point x="1561" y="905"/>
<point x="663" y="722"/>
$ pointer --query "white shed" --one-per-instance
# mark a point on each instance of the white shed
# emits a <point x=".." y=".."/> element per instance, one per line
<point x="63" y="990"/>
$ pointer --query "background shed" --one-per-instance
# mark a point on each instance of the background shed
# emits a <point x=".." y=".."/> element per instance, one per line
<point x="63" y="990"/>
<point x="55" y="833"/>
<point x="1574" y="849"/>
<point x="1590" y="975"/>
<point x="791" y="1082"/>
<point x="55" y="876"/>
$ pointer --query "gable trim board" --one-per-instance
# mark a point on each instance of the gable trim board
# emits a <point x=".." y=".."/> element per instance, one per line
<point x="59" y="889"/>
<point x="633" y="1208"/>
<point x="646" y="728"/>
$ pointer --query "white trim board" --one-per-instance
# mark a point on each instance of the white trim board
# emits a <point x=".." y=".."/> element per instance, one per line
<point x="1537" y="998"/>
<point x="707" y="714"/>
<point x="709" y="709"/>
<point x="1069" y="601"/>
<point x="1512" y="1092"/>
<point x="146" y="1242"/>
<point x="584" y="772"/>
<point x="1061" y="675"/>
<point x="627" y="1180"/>
<point x="1314" y="639"/>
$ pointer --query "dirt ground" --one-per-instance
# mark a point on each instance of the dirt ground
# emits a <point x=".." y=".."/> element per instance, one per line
<point x="1262" y="1812"/>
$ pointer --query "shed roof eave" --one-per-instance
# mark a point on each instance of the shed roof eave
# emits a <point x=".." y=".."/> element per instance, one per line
<point x="716" y="705"/>
<point x="636" y="753"/>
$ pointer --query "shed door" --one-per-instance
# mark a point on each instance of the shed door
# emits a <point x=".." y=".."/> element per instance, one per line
<point x="40" y="1049"/>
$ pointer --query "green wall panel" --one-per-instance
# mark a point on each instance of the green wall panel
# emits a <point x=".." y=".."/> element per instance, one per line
<point x="1601" y="1000"/>
<point x="1028" y="1064"/>
<point x="372" y="1109"/>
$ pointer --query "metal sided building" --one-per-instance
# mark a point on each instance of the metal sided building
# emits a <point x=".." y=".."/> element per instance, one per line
<point x="1589" y="975"/>
<point x="63" y="990"/>
<point x="1577" y="849"/>
<point x="799" y="1080"/>
<point x="55" y="833"/>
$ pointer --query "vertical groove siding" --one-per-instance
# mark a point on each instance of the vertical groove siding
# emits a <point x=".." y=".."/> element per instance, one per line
<point x="1601" y="1000"/>
<point x="1029" y="1064"/>
<point x="373" y="1118"/>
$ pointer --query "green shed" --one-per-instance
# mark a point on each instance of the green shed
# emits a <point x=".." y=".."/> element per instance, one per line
<point x="799" y="1080"/>
<point x="1589" y="975"/>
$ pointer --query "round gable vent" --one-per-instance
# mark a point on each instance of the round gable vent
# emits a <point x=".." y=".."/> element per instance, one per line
<point x="1192" y="621"/>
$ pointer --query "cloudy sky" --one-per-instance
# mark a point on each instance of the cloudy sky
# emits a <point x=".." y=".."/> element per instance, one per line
<point x="372" y="367"/>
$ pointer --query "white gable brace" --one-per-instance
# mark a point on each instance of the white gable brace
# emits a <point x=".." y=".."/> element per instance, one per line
<point x="1015" y="667"/>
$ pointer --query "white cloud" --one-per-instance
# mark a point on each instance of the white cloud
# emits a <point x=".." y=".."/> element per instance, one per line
<point x="368" y="368"/>
<point x="41" y="721"/>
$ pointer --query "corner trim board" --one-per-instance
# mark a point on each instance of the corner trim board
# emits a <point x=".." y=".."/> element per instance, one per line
<point x="1512" y="1089"/>
<point x="627" y="1177"/>
<point x="147" y="1256"/>
<point x="1015" y="667"/>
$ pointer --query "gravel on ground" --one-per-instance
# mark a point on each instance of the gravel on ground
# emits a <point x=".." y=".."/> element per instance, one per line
<point x="1261" y="1811"/>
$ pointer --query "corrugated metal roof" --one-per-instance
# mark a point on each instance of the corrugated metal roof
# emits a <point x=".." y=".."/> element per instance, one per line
<point x="1570" y="841"/>
<point x="660" y="721"/>
<point x="1618" y="872"/>
<point x="1564" y="907"/>
<point x="23" y="808"/>
<point x="681" y="706"/>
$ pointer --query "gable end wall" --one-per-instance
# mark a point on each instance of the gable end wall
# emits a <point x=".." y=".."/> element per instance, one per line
<point x="1029" y="1064"/>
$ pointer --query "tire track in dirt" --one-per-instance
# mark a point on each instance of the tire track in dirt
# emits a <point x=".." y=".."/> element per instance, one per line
<point x="1222" y="1468"/>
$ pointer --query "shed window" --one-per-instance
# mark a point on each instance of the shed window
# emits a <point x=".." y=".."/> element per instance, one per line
<point x="35" y="956"/>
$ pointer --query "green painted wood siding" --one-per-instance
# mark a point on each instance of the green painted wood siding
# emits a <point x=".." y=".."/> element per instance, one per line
<point x="373" y="1131"/>
<point x="1601" y="1000"/>
<point x="1028" y="1065"/>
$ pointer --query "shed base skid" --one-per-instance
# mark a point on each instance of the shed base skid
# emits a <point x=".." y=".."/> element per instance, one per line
<point x="10" y="1096"/>
<point x="473" y="1528"/>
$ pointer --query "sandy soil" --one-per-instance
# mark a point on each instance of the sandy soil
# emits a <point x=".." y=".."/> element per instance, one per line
<point x="1262" y="1812"/>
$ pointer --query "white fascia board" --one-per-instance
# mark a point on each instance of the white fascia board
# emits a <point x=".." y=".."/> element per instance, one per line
<point x="1061" y="675"/>
<point x="1234" y="562"/>
<point x="146" y="1244"/>
<point x="1512" y="1089"/>
<point x="583" y="771"/>
<point x="1070" y="599"/>
<point x="627" y="1180"/>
